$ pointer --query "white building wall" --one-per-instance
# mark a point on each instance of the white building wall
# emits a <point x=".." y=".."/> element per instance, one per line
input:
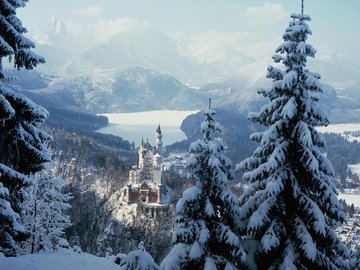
<point x="157" y="175"/>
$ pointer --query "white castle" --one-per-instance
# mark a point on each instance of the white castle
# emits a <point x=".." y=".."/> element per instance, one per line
<point x="146" y="181"/>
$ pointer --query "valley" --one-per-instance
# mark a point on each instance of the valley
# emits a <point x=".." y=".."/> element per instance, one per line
<point x="120" y="111"/>
<point x="87" y="126"/>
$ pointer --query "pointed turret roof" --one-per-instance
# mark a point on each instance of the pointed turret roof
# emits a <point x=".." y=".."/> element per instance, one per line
<point x="158" y="130"/>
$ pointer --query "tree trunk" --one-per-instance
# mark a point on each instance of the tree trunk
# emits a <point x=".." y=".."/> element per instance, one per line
<point x="34" y="229"/>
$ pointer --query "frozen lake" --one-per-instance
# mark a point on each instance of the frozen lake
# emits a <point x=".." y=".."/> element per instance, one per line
<point x="135" y="126"/>
<point x="350" y="131"/>
<point x="350" y="198"/>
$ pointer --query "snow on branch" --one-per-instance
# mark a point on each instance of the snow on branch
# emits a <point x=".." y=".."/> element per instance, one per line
<point x="275" y="73"/>
<point x="275" y="182"/>
<point x="289" y="258"/>
<point x="251" y="203"/>
<point x="256" y="136"/>
<point x="175" y="258"/>
<point x="271" y="238"/>
<point x="7" y="212"/>
<point x="305" y="49"/>
<point x="210" y="264"/>
<point x="290" y="110"/>
<point x="301" y="17"/>
<point x="189" y="195"/>
<point x="312" y="82"/>
<point x="289" y="79"/>
<point x="12" y="174"/>
<point x="316" y="214"/>
<point x="196" y="251"/>
<point x="261" y="216"/>
<point x="304" y="134"/>
<point x="209" y="209"/>
<point x="285" y="47"/>
<point x="5" y="48"/>
<point x="306" y="242"/>
<point x="204" y="234"/>
<point x="6" y="111"/>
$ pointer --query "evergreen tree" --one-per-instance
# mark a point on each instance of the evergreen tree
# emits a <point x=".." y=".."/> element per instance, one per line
<point x="138" y="260"/>
<point x="44" y="213"/>
<point x="291" y="207"/>
<point x="207" y="215"/>
<point x="22" y="151"/>
<point x="11" y="229"/>
<point x="21" y="141"/>
<point x="355" y="258"/>
<point x="12" y="42"/>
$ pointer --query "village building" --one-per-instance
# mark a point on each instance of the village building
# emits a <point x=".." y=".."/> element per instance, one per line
<point x="146" y="182"/>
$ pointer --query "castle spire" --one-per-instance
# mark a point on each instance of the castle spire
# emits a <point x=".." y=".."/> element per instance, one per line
<point x="158" y="130"/>
<point x="159" y="142"/>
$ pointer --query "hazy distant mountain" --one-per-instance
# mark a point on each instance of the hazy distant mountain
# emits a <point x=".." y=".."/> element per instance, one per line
<point x="143" y="69"/>
<point x="128" y="90"/>
<point x="56" y="45"/>
<point x="143" y="47"/>
<point x="29" y="80"/>
<point x="133" y="89"/>
<point x="218" y="61"/>
<point x="352" y="94"/>
<point x="196" y="61"/>
<point x="192" y="62"/>
<point x="240" y="93"/>
<point x="335" y="70"/>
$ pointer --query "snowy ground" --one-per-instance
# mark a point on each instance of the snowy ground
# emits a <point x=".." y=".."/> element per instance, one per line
<point x="349" y="131"/>
<point x="135" y="126"/>
<point x="60" y="260"/>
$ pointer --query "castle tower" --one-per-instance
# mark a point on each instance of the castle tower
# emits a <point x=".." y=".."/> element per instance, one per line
<point x="148" y="174"/>
<point x="159" y="142"/>
<point x="141" y="154"/>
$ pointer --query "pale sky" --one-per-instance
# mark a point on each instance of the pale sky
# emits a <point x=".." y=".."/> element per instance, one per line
<point x="335" y="23"/>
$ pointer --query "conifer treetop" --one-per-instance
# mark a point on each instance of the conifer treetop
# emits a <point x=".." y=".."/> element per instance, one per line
<point x="291" y="206"/>
<point x="207" y="215"/>
<point x="138" y="259"/>
<point x="13" y="43"/>
<point x="302" y="6"/>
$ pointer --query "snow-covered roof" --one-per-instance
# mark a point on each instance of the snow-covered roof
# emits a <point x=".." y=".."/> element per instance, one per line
<point x="149" y="154"/>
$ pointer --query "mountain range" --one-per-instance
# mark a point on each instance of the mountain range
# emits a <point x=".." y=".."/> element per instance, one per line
<point x="143" y="69"/>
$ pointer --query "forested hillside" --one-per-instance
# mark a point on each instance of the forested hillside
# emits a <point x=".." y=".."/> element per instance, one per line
<point x="237" y="130"/>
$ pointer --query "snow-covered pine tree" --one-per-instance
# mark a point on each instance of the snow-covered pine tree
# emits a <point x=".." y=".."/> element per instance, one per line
<point x="138" y="260"/>
<point x="21" y="141"/>
<point x="291" y="207"/>
<point x="355" y="258"/>
<point x="13" y="43"/>
<point x="207" y="215"/>
<point x="11" y="229"/>
<point x="44" y="213"/>
<point x="22" y="151"/>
